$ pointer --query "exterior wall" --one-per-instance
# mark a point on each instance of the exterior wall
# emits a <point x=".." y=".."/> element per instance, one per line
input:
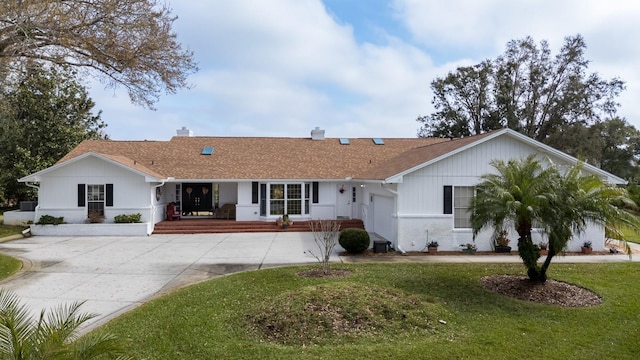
<point x="17" y="217"/>
<point x="131" y="194"/>
<point x="245" y="210"/>
<point x="324" y="209"/>
<point x="142" y="229"/>
<point x="326" y="206"/>
<point x="420" y="217"/>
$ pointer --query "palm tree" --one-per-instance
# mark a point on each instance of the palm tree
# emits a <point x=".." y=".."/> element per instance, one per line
<point x="518" y="194"/>
<point x="583" y="199"/>
<point x="523" y="193"/>
<point x="52" y="338"/>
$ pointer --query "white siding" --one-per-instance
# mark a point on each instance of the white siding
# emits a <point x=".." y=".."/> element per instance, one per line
<point x="421" y="197"/>
<point x="58" y="195"/>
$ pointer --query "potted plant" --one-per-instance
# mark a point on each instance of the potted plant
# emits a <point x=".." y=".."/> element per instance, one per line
<point x="286" y="221"/>
<point x="543" y="246"/>
<point x="502" y="242"/>
<point x="95" y="217"/>
<point x="469" y="248"/>
<point x="586" y="247"/>
<point x="432" y="247"/>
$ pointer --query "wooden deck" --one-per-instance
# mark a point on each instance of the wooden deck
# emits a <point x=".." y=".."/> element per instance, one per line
<point x="212" y="226"/>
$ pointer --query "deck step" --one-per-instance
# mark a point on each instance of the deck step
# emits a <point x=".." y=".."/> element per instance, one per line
<point x="210" y="226"/>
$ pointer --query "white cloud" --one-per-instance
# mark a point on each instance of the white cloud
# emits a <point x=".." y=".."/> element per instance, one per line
<point x="479" y="29"/>
<point x="282" y="67"/>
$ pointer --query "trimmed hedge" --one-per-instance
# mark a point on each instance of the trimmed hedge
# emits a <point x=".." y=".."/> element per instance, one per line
<point x="354" y="240"/>
<point x="50" y="220"/>
<point x="131" y="218"/>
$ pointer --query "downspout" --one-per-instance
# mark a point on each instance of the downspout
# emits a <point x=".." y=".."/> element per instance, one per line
<point x="35" y="217"/>
<point x="153" y="208"/>
<point x="395" y="193"/>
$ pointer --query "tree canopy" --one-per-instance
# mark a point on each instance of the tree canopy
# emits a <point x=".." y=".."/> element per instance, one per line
<point x="43" y="115"/>
<point x="553" y="99"/>
<point x="126" y="43"/>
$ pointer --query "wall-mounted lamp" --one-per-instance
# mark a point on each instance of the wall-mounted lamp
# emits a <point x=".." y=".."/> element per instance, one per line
<point x="341" y="189"/>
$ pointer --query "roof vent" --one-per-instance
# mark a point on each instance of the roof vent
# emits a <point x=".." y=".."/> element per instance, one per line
<point x="317" y="134"/>
<point x="185" y="132"/>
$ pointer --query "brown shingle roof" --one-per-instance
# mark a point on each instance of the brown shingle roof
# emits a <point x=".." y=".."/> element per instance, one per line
<point x="416" y="156"/>
<point x="271" y="158"/>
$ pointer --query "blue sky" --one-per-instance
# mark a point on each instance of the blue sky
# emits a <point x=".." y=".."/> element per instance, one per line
<point x="356" y="68"/>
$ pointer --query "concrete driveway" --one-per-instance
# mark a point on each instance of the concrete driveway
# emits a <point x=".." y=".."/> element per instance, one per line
<point x="115" y="274"/>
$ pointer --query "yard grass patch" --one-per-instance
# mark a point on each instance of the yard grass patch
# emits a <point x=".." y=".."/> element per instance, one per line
<point x="8" y="266"/>
<point x="213" y="319"/>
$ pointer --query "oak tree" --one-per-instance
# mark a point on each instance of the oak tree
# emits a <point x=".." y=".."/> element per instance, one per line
<point x="525" y="89"/>
<point x="127" y="43"/>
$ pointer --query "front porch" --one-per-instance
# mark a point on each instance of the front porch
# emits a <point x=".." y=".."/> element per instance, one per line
<point x="212" y="226"/>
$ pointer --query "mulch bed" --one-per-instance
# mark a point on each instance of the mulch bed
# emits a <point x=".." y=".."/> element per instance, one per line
<point x="551" y="292"/>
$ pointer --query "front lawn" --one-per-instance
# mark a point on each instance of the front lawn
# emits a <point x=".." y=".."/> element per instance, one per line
<point x="211" y="320"/>
<point x="8" y="266"/>
<point x="8" y="230"/>
<point x="631" y="235"/>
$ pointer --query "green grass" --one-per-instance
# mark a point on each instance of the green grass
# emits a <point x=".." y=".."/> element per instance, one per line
<point x="631" y="235"/>
<point x="8" y="266"/>
<point x="209" y="320"/>
<point x="8" y="230"/>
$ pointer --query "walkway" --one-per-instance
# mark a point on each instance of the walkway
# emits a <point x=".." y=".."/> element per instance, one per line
<point x="116" y="274"/>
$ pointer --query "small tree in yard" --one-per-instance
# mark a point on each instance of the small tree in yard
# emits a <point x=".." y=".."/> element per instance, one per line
<point x="325" y="234"/>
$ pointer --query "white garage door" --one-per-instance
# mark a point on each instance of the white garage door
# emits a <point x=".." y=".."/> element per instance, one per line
<point x="382" y="217"/>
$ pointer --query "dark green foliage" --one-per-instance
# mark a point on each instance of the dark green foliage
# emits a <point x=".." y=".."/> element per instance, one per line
<point x="50" y="220"/>
<point x="563" y="203"/>
<point x="553" y="99"/>
<point x="44" y="114"/>
<point x="354" y="241"/>
<point x="124" y="218"/>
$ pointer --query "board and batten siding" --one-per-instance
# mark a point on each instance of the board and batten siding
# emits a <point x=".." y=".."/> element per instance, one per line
<point x="421" y="195"/>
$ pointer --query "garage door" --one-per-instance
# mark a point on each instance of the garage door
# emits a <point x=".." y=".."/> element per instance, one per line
<point x="382" y="217"/>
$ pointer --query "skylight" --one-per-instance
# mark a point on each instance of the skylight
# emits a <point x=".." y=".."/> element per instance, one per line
<point x="378" y="141"/>
<point x="208" y="150"/>
<point x="344" y="141"/>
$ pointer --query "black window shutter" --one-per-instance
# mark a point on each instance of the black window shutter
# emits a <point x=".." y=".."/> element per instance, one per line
<point x="108" y="195"/>
<point x="81" y="195"/>
<point x="254" y="192"/>
<point x="263" y="199"/>
<point x="314" y="192"/>
<point x="448" y="199"/>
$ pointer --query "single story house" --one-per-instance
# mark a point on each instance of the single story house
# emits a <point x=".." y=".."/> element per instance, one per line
<point x="409" y="191"/>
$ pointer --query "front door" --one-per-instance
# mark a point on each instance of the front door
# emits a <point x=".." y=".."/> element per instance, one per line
<point x="197" y="199"/>
<point x="343" y="202"/>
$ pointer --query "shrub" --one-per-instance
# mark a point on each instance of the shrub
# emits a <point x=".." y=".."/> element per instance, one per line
<point x="124" y="218"/>
<point x="50" y="220"/>
<point x="354" y="240"/>
<point x="95" y="217"/>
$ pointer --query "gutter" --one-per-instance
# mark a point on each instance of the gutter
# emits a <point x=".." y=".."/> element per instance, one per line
<point x="395" y="193"/>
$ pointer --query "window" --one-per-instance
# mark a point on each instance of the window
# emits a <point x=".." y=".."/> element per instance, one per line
<point x="462" y="196"/>
<point x="95" y="199"/>
<point x="292" y="199"/>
